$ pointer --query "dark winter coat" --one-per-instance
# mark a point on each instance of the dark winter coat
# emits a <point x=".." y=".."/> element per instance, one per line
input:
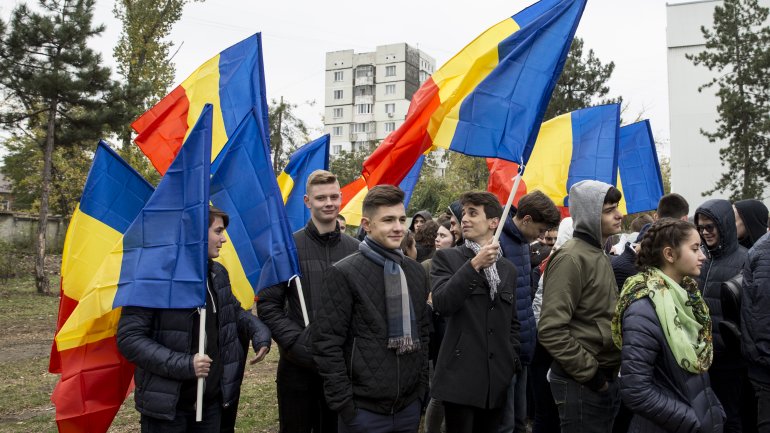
<point x="159" y="342"/>
<point x="279" y="305"/>
<point x="755" y="320"/>
<point x="754" y="216"/>
<point x="478" y="357"/>
<point x="350" y="337"/>
<point x="624" y="265"/>
<point x="663" y="396"/>
<point x="723" y="262"/>
<point x="516" y="250"/>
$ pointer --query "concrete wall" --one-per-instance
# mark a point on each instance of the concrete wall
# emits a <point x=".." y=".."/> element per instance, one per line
<point x="20" y="229"/>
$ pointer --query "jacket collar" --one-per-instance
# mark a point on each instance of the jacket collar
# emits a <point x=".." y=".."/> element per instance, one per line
<point x="331" y="239"/>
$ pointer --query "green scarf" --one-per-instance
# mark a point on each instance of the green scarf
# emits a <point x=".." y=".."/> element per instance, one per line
<point x="682" y="312"/>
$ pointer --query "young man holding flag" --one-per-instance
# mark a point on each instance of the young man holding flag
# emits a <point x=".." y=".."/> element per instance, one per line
<point x="163" y="344"/>
<point x="301" y="404"/>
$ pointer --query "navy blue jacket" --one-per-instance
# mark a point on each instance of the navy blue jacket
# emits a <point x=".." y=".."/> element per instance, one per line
<point x="516" y="250"/>
<point x="755" y="322"/>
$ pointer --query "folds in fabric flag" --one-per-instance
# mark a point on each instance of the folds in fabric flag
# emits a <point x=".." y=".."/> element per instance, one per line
<point x="233" y="81"/>
<point x="293" y="179"/>
<point x="407" y="185"/>
<point x="113" y="195"/>
<point x="488" y="100"/>
<point x="262" y="245"/>
<point x="572" y="147"/>
<point x="639" y="170"/>
<point x="165" y="250"/>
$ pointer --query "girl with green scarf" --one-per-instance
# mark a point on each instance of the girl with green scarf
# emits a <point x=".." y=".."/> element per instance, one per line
<point x="663" y="328"/>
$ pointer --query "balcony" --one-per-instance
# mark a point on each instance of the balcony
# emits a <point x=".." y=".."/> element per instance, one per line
<point x="363" y="99"/>
<point x="364" y="81"/>
<point x="363" y="136"/>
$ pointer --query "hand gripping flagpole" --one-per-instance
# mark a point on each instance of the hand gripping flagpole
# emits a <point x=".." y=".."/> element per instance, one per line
<point x="201" y="350"/>
<point x="507" y="210"/>
<point x="301" y="295"/>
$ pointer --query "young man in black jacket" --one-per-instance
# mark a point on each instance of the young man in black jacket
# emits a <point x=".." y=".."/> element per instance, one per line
<point x="163" y="344"/>
<point x="370" y="336"/>
<point x="473" y="288"/>
<point x="301" y="404"/>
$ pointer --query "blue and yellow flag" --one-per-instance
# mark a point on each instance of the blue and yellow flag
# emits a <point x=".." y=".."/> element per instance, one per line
<point x="407" y="185"/>
<point x="165" y="250"/>
<point x="293" y="179"/>
<point x="85" y="353"/>
<point x="261" y="246"/>
<point x="639" y="178"/>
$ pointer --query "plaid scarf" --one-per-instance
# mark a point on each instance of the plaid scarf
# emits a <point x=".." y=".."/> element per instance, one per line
<point x="403" y="331"/>
<point x="493" y="278"/>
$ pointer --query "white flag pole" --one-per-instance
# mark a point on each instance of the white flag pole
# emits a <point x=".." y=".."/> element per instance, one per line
<point x="201" y="380"/>
<point x="507" y="210"/>
<point x="301" y="295"/>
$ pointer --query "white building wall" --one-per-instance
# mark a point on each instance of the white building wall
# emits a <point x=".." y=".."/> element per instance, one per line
<point x="695" y="162"/>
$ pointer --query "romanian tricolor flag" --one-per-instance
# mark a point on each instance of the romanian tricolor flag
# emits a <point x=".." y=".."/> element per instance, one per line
<point x="293" y="179"/>
<point x="639" y="171"/>
<point x="233" y="81"/>
<point x="88" y="401"/>
<point x="260" y="251"/>
<point x="113" y="195"/>
<point x="572" y="147"/>
<point x="410" y="181"/>
<point x="488" y="100"/>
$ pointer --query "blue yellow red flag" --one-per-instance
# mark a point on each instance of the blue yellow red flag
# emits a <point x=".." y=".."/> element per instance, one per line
<point x="245" y="187"/>
<point x="639" y="171"/>
<point x="293" y="179"/>
<point x="407" y="185"/>
<point x="233" y="81"/>
<point x="113" y="195"/>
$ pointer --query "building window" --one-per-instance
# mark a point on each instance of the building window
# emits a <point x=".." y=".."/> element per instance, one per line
<point x="423" y="76"/>
<point x="364" y="71"/>
<point x="336" y="149"/>
<point x="364" y="108"/>
<point x="390" y="108"/>
<point x="338" y="94"/>
<point x="390" y="126"/>
<point x="390" y="89"/>
<point x="338" y="75"/>
<point x="337" y="113"/>
<point x="390" y="71"/>
<point x="360" y="127"/>
<point x="337" y="131"/>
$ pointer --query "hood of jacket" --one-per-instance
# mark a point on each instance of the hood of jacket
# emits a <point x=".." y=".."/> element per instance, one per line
<point x="754" y="215"/>
<point x="424" y="214"/>
<point x="721" y="212"/>
<point x="586" y="199"/>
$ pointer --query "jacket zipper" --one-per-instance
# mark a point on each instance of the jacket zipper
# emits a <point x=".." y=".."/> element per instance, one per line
<point x="398" y="385"/>
<point x="352" y="352"/>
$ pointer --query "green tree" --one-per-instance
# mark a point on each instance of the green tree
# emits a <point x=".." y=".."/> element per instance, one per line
<point x="347" y="165"/>
<point x="287" y="132"/>
<point x="57" y="85"/>
<point x="143" y="56"/>
<point x="737" y="49"/>
<point x="582" y="83"/>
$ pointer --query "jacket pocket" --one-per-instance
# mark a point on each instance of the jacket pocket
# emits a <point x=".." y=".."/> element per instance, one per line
<point x="605" y="335"/>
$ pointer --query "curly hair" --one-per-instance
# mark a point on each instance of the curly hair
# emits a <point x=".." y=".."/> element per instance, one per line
<point x="427" y="235"/>
<point x="666" y="232"/>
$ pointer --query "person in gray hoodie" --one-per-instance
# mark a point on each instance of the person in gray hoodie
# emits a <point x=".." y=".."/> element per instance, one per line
<point x="579" y="298"/>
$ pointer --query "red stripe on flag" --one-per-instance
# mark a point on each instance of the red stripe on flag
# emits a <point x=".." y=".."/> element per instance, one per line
<point x="162" y="129"/>
<point x="66" y="307"/>
<point x="501" y="174"/>
<point x="350" y="190"/>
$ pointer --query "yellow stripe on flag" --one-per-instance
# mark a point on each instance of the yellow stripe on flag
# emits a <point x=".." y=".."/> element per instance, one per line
<point x="201" y="88"/>
<point x="285" y="184"/>
<point x="352" y="211"/>
<point x="548" y="166"/>
<point x="239" y="284"/>
<point x="622" y="205"/>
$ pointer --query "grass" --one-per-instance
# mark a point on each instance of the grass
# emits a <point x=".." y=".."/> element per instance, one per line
<point x="27" y="325"/>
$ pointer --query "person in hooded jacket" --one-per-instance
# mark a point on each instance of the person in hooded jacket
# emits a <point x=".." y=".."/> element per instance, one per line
<point x="750" y="221"/>
<point x="418" y="220"/>
<point x="579" y="296"/>
<point x="455" y="216"/>
<point x="535" y="215"/>
<point x="663" y="326"/>
<point x="725" y="258"/>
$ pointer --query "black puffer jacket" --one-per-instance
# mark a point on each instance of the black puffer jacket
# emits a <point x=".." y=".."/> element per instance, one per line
<point x="350" y="337"/>
<point x="160" y="343"/>
<point x="663" y="396"/>
<point x="624" y="265"/>
<point x="723" y="262"/>
<point x="279" y="305"/>
<point x="755" y="320"/>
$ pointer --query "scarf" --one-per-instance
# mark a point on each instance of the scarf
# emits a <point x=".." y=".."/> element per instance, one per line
<point x="493" y="278"/>
<point x="682" y="312"/>
<point x="403" y="331"/>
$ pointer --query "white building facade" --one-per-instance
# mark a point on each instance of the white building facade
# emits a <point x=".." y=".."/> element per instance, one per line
<point x="367" y="94"/>
<point x="695" y="162"/>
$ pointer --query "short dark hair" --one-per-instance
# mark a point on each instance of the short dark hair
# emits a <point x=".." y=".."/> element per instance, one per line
<point x="640" y="221"/>
<point x="427" y="235"/>
<point x="381" y="195"/>
<point x="665" y="232"/>
<point x="216" y="212"/>
<point x="540" y="207"/>
<point x="673" y="206"/>
<point x="492" y="208"/>
<point x="320" y="177"/>
<point x="613" y="196"/>
<point x="407" y="241"/>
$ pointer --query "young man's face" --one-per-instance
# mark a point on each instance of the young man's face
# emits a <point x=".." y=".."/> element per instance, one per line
<point x="549" y="239"/>
<point x="707" y="228"/>
<point x="216" y="237"/>
<point x="530" y="229"/>
<point x="739" y="226"/>
<point x="476" y="226"/>
<point x="418" y="223"/>
<point x="611" y="220"/>
<point x="386" y="225"/>
<point x="324" y="202"/>
<point x="455" y="228"/>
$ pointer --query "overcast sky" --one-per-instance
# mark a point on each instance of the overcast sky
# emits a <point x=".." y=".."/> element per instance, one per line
<point x="297" y="34"/>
